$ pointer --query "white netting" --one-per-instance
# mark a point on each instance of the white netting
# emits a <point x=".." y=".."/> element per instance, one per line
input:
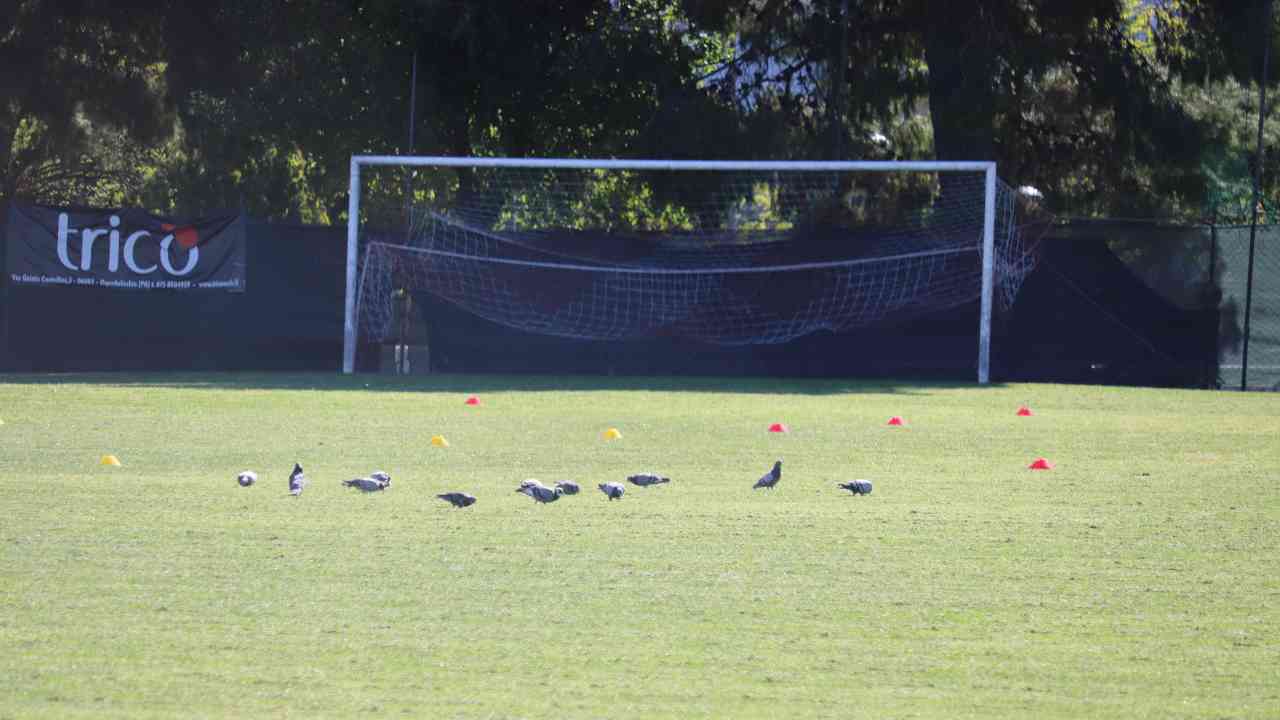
<point x="740" y="257"/>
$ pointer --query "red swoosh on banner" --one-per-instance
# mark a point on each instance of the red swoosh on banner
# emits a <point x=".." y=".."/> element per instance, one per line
<point x="187" y="236"/>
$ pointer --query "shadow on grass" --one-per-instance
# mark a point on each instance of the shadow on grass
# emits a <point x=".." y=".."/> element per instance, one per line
<point x="479" y="384"/>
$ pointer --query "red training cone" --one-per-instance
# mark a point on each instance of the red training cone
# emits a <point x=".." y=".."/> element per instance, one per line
<point x="1024" y="411"/>
<point x="779" y="427"/>
<point x="895" y="420"/>
<point x="473" y="400"/>
<point x="1041" y="464"/>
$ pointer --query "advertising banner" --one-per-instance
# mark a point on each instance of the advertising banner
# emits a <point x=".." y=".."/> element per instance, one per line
<point x="123" y="249"/>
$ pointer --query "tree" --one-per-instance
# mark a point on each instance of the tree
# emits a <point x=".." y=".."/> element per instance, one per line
<point x="1206" y="40"/>
<point x="1215" y="49"/>
<point x="1085" y="100"/>
<point x="273" y="98"/>
<point x="80" y="81"/>
<point x="1059" y="94"/>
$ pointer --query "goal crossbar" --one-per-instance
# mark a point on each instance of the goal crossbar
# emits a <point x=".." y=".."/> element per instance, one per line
<point x="614" y="164"/>
<point x="988" y="230"/>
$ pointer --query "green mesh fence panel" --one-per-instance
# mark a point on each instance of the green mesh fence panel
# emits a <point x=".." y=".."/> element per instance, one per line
<point x="1264" y="325"/>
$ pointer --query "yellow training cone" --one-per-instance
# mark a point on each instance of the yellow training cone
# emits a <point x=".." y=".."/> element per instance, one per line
<point x="612" y="434"/>
<point x="439" y="441"/>
<point x="109" y="460"/>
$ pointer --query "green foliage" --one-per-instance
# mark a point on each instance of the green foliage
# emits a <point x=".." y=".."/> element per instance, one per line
<point x="1206" y="40"/>
<point x="320" y="81"/>
<point x="1230" y="160"/>
<point x="1064" y="96"/>
<point x="964" y="585"/>
<point x="1215" y="48"/>
<point x="196" y="108"/>
<point x="602" y="201"/>
<point x="77" y="81"/>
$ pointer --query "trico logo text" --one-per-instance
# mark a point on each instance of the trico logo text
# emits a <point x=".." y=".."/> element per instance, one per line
<point x="115" y="252"/>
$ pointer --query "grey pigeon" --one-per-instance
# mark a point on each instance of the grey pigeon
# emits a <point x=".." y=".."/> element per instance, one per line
<point x="771" y="478"/>
<point x="857" y="487"/>
<point x="458" y="499"/>
<point x="612" y="490"/>
<point x="644" y="479"/>
<point x="297" y="481"/>
<point x="367" y="484"/>
<point x="541" y="494"/>
<point x="380" y="476"/>
<point x="247" y="478"/>
<point x="569" y="487"/>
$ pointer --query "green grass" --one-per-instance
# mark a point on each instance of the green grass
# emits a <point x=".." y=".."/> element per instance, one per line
<point x="1139" y="578"/>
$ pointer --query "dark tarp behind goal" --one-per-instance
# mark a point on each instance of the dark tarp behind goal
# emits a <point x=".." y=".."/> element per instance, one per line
<point x="1082" y="316"/>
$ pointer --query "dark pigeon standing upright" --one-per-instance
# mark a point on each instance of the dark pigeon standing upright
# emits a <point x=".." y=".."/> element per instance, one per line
<point x="613" y="491"/>
<point x="644" y="479"/>
<point x="857" y="487"/>
<point x="297" y="481"/>
<point x="541" y="493"/>
<point x="568" y="486"/>
<point x="457" y="499"/>
<point x="247" y="478"/>
<point x="771" y="478"/>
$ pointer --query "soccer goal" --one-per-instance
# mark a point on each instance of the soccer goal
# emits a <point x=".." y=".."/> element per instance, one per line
<point x="723" y="252"/>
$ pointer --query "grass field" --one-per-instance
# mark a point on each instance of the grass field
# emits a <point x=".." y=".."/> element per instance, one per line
<point x="1139" y="578"/>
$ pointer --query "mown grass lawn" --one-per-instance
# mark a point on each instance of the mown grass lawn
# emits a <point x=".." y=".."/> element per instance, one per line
<point x="1138" y="578"/>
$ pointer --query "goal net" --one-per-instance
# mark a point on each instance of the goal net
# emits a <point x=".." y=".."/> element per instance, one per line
<point x="722" y="252"/>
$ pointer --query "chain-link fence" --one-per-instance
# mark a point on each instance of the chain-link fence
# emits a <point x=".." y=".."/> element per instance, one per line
<point x="1253" y="310"/>
<point x="1110" y="302"/>
<point x="1197" y="269"/>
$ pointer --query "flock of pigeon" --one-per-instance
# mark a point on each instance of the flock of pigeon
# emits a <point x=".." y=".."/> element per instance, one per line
<point x="379" y="481"/>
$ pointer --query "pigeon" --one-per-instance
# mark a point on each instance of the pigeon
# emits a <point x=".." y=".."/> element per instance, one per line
<point x="380" y="476"/>
<point x="529" y="483"/>
<point x="367" y="484"/>
<point x="297" y="481"/>
<point x="612" y="490"/>
<point x="540" y="493"/>
<point x="458" y="499"/>
<point x="247" y="478"/>
<point x="771" y="478"/>
<point x="647" y="479"/>
<point x="857" y="487"/>
<point x="569" y="487"/>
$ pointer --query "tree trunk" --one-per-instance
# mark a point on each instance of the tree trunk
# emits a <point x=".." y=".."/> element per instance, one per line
<point x="8" y="183"/>
<point x="962" y="87"/>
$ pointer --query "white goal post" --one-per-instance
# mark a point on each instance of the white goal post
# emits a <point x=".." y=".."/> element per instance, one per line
<point x="988" y="227"/>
